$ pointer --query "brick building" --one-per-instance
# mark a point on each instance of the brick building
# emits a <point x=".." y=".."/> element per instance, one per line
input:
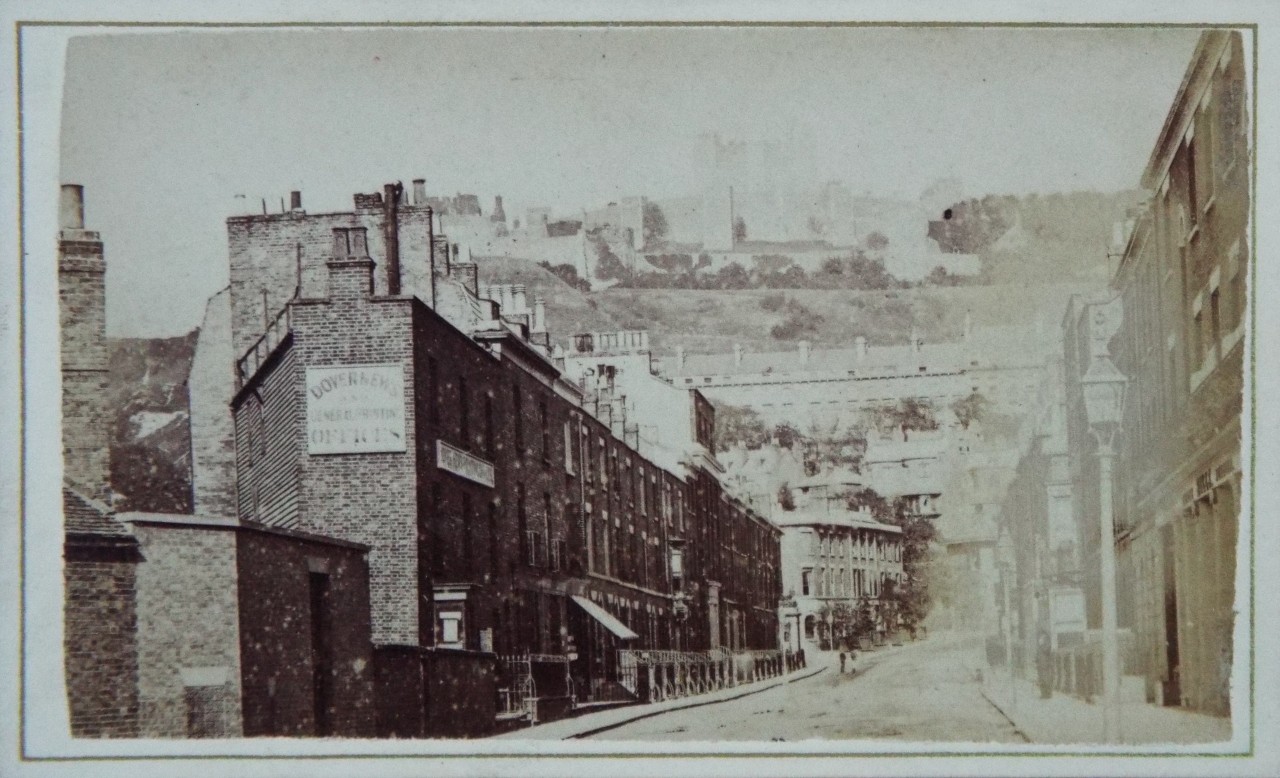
<point x="191" y="625"/>
<point x="509" y="516"/>
<point x="1181" y="282"/>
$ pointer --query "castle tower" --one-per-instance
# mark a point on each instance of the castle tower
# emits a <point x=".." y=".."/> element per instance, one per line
<point x="82" y="315"/>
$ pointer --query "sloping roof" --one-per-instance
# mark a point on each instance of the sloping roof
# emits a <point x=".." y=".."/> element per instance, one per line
<point x="935" y="356"/>
<point x="85" y="516"/>
<point x="837" y="518"/>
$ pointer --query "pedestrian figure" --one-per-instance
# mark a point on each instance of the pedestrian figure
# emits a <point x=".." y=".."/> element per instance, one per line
<point x="842" y="658"/>
<point x="1044" y="666"/>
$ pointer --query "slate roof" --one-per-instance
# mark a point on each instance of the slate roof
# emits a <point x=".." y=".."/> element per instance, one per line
<point x="85" y="516"/>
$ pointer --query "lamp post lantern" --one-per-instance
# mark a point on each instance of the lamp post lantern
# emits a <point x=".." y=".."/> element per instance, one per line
<point x="1103" y="387"/>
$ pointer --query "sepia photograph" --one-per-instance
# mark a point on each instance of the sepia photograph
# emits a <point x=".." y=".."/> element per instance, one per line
<point x="541" y="389"/>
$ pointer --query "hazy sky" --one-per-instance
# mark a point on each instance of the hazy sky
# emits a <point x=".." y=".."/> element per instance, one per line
<point x="163" y="130"/>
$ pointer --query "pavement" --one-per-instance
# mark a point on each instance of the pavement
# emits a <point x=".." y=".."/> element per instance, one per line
<point x="922" y="691"/>
<point x="1063" y="719"/>
<point x="589" y="724"/>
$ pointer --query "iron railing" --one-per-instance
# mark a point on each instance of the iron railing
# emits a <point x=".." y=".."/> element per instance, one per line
<point x="276" y="331"/>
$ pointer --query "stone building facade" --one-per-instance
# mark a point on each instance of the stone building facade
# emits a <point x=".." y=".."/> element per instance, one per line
<point x="1181" y="281"/>
<point x="832" y="555"/>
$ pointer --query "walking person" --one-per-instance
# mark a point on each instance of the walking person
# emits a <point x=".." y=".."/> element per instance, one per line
<point x="1044" y="666"/>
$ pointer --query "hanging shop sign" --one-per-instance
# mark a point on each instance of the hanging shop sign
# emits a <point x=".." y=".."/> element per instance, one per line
<point x="462" y="464"/>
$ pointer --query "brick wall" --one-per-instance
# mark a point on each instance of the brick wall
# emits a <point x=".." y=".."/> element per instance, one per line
<point x="276" y="621"/>
<point x="363" y="498"/>
<point x="187" y="621"/>
<point x="101" y="657"/>
<point x="210" y="386"/>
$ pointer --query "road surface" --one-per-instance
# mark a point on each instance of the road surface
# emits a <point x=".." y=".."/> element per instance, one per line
<point x="924" y="691"/>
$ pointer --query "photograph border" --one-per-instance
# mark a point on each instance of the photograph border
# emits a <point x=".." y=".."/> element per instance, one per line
<point x="773" y="751"/>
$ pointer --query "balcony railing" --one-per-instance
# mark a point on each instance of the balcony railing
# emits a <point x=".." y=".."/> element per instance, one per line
<point x="276" y="331"/>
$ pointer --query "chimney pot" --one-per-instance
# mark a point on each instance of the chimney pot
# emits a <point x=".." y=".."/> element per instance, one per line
<point x="295" y="200"/>
<point x="737" y="354"/>
<point x="804" y="352"/>
<point x="419" y="191"/>
<point x="539" y="315"/>
<point x="680" y="357"/>
<point x="860" y="347"/>
<point x="71" y="207"/>
<point x="519" y="303"/>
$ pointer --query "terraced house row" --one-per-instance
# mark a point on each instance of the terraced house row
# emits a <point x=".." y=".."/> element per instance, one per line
<point x="471" y="528"/>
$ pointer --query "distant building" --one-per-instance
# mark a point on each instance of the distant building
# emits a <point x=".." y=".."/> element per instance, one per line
<point x="1181" y="281"/>
<point x="831" y="556"/>
<point x="808" y="385"/>
<point x="1037" y="514"/>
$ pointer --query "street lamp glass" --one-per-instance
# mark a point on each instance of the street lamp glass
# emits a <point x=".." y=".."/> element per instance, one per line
<point x="1103" y="386"/>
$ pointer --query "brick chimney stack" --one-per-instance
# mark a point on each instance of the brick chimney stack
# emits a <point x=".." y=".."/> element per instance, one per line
<point x="82" y="301"/>
<point x="539" y="315"/>
<point x="350" y="268"/>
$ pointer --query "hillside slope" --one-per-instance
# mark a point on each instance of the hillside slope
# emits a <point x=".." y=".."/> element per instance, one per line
<point x="705" y="321"/>
<point x="150" y="430"/>
<point x="569" y="311"/>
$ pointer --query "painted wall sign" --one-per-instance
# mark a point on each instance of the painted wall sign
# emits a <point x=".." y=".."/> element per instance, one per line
<point x="460" y="463"/>
<point x="355" y="409"/>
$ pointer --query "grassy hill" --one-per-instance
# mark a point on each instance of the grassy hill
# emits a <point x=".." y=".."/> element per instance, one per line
<point x="713" y="321"/>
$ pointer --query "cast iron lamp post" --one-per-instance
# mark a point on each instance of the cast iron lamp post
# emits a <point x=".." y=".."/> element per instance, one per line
<point x="1103" y="386"/>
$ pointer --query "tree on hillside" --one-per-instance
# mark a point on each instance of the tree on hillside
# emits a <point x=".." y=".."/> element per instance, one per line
<point x="799" y="322"/>
<point x="854" y="271"/>
<point x="969" y="409"/>
<point x="739" y="230"/>
<point x="911" y="413"/>
<point x="786" y="500"/>
<point x="738" y="424"/>
<point x="608" y="266"/>
<point x="568" y="274"/>
<point x="732" y="276"/>
<point x="653" y="222"/>
<point x="786" y="436"/>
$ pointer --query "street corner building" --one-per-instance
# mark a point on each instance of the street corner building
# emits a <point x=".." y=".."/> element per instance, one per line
<point x="414" y="516"/>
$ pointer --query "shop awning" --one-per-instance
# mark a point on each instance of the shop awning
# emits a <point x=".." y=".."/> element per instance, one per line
<point x="606" y="618"/>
